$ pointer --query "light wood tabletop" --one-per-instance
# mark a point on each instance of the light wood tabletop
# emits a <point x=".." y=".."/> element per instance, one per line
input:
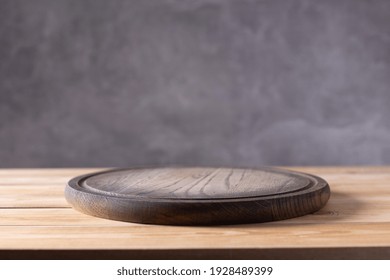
<point x="37" y="222"/>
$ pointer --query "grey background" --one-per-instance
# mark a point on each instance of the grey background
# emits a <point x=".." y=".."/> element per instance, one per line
<point x="123" y="83"/>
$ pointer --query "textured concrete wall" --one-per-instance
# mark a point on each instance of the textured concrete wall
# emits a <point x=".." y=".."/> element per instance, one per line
<point x="230" y="82"/>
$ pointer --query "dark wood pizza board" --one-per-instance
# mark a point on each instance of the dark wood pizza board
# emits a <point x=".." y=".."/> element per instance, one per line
<point x="197" y="195"/>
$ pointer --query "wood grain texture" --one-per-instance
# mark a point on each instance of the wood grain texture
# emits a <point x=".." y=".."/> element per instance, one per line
<point x="197" y="196"/>
<point x="354" y="224"/>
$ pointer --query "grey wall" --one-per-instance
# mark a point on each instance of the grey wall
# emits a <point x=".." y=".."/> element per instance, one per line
<point x="120" y="83"/>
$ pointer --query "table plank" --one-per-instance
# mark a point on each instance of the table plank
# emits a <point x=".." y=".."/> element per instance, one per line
<point x="159" y="237"/>
<point x="338" y="210"/>
<point x="36" y="188"/>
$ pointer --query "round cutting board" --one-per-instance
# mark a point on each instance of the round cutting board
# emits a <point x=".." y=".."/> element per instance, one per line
<point x="197" y="195"/>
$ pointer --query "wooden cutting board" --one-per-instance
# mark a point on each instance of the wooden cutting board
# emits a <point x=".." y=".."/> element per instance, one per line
<point x="197" y="195"/>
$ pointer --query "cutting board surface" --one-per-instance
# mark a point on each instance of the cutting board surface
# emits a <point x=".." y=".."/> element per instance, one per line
<point x="197" y="195"/>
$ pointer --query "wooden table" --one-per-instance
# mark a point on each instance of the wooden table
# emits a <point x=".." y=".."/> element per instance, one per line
<point x="37" y="223"/>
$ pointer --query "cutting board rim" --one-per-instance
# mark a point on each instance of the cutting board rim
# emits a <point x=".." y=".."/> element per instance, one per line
<point x="316" y="183"/>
